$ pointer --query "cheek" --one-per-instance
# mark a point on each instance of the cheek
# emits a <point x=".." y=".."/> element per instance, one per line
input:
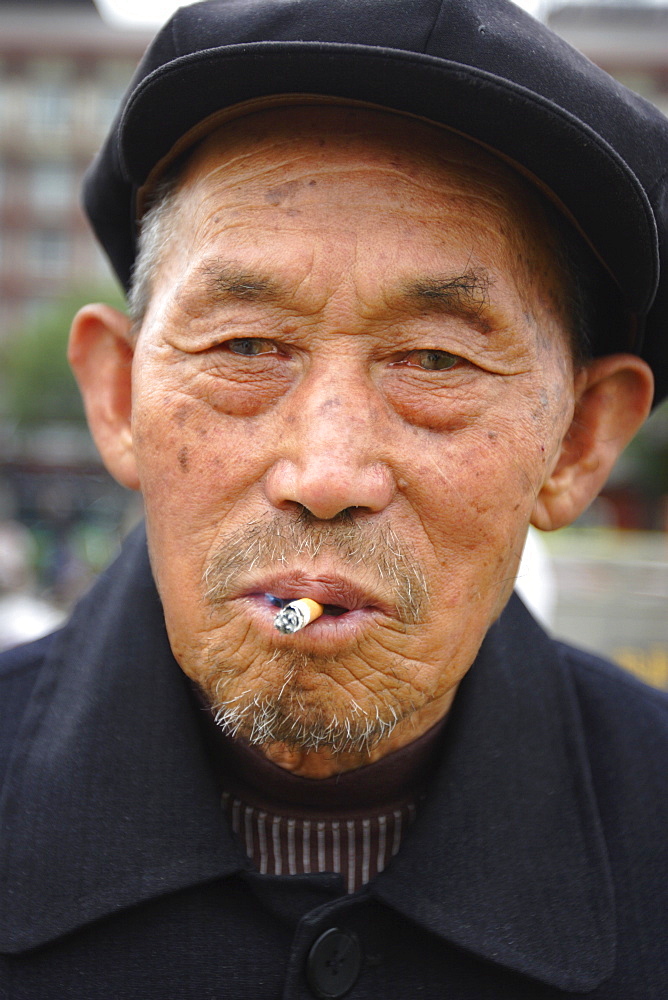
<point x="438" y="408"/>
<point x="475" y="494"/>
<point x="193" y="464"/>
<point x="486" y="472"/>
<point x="239" y="393"/>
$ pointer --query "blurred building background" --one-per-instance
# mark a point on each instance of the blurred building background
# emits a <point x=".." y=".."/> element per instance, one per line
<point x="63" y="70"/>
<point x="62" y="74"/>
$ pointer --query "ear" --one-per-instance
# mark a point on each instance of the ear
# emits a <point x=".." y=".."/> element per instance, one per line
<point x="613" y="396"/>
<point x="100" y="353"/>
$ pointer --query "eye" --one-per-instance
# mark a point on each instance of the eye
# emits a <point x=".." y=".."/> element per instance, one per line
<point x="432" y="360"/>
<point x="250" y="347"/>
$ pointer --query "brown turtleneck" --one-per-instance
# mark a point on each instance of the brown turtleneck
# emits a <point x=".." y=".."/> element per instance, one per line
<point x="351" y="823"/>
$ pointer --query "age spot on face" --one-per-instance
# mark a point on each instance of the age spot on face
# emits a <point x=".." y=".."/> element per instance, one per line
<point x="181" y="414"/>
<point x="330" y="404"/>
<point x="282" y="192"/>
<point x="183" y="459"/>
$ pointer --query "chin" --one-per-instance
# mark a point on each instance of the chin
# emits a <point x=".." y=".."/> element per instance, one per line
<point x="305" y="709"/>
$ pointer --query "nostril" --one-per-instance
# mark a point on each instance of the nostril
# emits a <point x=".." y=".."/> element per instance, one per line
<point x="345" y="516"/>
<point x="326" y="484"/>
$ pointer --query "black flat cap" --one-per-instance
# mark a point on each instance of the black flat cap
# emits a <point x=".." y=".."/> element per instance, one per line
<point x="482" y="67"/>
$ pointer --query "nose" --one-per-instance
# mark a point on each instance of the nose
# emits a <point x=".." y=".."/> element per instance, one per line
<point x="331" y="456"/>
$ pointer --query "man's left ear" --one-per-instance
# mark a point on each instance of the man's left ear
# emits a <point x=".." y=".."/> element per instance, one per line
<point x="613" y="398"/>
<point x="100" y="353"/>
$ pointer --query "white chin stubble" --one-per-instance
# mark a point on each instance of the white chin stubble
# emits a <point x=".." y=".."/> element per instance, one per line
<point x="296" y="714"/>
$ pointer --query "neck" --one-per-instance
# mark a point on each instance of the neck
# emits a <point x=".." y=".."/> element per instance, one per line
<point x="324" y="763"/>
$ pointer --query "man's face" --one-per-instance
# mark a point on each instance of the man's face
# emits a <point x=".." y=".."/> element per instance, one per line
<point x="351" y="383"/>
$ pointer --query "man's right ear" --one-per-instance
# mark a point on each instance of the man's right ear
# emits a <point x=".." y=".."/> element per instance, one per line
<point x="100" y="353"/>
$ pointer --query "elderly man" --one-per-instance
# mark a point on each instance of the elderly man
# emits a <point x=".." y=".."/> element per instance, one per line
<point x="392" y="299"/>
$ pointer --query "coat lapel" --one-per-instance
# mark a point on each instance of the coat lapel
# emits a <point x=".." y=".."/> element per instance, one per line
<point x="517" y="872"/>
<point x="110" y="798"/>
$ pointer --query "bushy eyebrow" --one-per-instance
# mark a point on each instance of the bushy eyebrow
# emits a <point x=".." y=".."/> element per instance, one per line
<point x="231" y="281"/>
<point x="462" y="295"/>
<point x="467" y="292"/>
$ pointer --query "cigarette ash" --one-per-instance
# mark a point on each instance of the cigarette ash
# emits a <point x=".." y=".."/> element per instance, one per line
<point x="290" y="619"/>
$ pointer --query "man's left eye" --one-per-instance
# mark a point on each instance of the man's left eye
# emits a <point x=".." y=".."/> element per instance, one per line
<point x="432" y="360"/>
<point x="250" y="346"/>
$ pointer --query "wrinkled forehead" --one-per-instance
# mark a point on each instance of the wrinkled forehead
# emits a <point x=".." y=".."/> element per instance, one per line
<point x="268" y="148"/>
<point x="339" y="157"/>
<point x="402" y="131"/>
<point x="352" y="132"/>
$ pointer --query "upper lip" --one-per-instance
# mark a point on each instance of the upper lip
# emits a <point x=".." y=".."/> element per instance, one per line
<point x="325" y="588"/>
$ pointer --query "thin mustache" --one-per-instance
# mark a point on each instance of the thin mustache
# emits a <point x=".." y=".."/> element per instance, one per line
<point x="264" y="546"/>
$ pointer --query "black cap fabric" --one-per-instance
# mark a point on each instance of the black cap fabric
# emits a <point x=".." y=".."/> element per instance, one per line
<point x="482" y="67"/>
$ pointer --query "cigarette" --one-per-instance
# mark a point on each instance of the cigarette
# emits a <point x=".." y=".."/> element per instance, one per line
<point x="297" y="615"/>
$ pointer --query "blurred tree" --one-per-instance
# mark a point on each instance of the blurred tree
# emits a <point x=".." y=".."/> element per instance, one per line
<point x="39" y="386"/>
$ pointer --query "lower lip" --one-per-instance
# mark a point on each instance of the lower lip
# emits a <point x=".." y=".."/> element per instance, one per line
<point x="343" y="626"/>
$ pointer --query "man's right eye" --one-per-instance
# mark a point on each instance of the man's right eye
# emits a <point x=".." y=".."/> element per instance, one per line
<point x="250" y="346"/>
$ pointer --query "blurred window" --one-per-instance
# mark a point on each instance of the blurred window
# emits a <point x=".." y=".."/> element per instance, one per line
<point x="50" y="108"/>
<point x="48" y="253"/>
<point x="13" y="110"/>
<point x="50" y="96"/>
<point x="52" y="186"/>
<point x="110" y="83"/>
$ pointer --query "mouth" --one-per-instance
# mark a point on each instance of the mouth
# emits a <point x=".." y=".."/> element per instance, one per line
<point x="333" y="610"/>
<point x="345" y="604"/>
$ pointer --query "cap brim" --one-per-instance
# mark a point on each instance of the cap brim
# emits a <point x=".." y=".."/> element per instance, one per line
<point x="582" y="170"/>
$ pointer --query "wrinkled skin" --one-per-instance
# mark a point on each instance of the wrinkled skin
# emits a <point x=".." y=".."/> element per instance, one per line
<point x="358" y="314"/>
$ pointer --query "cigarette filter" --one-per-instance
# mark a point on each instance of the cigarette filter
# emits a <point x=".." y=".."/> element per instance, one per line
<point x="297" y="615"/>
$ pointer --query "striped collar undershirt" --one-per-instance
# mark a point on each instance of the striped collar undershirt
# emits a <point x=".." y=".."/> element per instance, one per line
<point x="351" y="823"/>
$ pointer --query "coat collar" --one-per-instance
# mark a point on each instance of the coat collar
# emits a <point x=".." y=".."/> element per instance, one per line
<point x="110" y="798"/>
<point x="518" y="870"/>
<point x="111" y="745"/>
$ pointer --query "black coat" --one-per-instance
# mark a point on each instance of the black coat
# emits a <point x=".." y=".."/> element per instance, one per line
<point x="538" y="866"/>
